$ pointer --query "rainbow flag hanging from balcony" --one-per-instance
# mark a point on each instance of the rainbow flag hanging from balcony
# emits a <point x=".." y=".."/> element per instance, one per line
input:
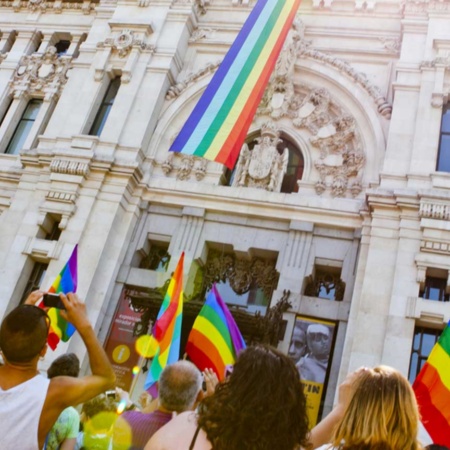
<point x="432" y="389"/>
<point x="218" y="125"/>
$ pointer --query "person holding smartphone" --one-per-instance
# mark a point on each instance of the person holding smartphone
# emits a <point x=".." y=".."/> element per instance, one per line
<point x="29" y="402"/>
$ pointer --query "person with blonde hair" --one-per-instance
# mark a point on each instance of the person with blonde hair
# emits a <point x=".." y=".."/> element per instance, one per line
<point x="382" y="414"/>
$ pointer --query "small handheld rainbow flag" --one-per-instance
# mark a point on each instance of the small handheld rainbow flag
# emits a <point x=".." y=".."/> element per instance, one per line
<point x="215" y="340"/>
<point x="218" y="125"/>
<point x="65" y="282"/>
<point x="167" y="328"/>
<point x="432" y="389"/>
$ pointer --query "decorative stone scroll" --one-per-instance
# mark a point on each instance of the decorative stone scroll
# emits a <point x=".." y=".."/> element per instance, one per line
<point x="187" y="165"/>
<point x="264" y="166"/>
<point x="175" y="90"/>
<point x="39" y="74"/>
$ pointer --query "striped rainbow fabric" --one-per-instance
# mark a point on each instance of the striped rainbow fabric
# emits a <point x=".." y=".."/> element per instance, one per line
<point x="65" y="282"/>
<point x="432" y="389"/>
<point x="167" y="328"/>
<point x="215" y="340"/>
<point x="218" y="125"/>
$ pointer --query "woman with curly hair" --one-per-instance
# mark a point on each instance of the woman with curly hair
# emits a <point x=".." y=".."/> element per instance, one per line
<point x="261" y="406"/>
<point x="382" y="414"/>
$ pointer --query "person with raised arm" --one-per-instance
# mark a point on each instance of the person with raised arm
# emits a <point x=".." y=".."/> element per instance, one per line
<point x="30" y="403"/>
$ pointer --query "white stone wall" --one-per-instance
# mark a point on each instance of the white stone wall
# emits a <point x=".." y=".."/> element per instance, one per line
<point x="383" y="64"/>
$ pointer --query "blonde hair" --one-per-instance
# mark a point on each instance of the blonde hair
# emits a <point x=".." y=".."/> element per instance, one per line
<point x="382" y="414"/>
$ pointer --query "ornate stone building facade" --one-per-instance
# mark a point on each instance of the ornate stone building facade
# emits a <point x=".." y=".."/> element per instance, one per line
<point x="341" y="194"/>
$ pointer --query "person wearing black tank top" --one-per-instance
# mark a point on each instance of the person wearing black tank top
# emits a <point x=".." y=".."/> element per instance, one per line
<point x="260" y="406"/>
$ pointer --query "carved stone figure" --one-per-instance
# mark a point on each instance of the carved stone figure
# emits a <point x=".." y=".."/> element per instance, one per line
<point x="313" y="111"/>
<point x="187" y="165"/>
<point x="263" y="167"/>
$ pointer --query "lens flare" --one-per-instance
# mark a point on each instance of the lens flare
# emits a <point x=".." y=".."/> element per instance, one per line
<point x="146" y="346"/>
<point x="135" y="370"/>
<point x="121" y="406"/>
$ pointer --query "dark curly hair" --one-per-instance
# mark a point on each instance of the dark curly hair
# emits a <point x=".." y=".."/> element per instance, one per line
<point x="260" y="407"/>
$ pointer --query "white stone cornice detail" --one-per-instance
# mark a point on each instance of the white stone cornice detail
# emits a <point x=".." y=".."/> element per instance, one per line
<point x="57" y="6"/>
<point x="432" y="210"/>
<point x="123" y="42"/>
<point x="175" y="90"/>
<point x="41" y="75"/>
<point x="184" y="166"/>
<point x="69" y="167"/>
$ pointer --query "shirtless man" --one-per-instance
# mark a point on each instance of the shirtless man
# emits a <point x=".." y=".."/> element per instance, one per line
<point x="29" y="402"/>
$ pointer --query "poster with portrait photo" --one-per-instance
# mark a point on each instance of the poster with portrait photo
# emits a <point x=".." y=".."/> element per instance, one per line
<point x="310" y="349"/>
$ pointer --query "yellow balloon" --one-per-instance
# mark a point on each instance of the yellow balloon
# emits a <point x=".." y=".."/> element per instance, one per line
<point x="146" y="346"/>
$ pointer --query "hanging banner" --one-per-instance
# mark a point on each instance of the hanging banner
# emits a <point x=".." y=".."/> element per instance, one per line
<point x="120" y="345"/>
<point x="310" y="349"/>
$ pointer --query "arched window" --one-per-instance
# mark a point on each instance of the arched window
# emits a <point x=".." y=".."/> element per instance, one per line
<point x="294" y="171"/>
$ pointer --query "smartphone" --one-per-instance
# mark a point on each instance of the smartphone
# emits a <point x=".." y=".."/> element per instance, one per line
<point x="53" y="301"/>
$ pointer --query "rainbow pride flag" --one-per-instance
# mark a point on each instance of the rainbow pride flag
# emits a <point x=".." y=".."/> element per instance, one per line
<point x="167" y="328"/>
<point x="65" y="282"/>
<point x="215" y="340"/>
<point x="218" y="125"/>
<point x="432" y="389"/>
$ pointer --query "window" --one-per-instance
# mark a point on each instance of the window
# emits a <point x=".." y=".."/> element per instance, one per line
<point x="434" y="289"/>
<point x="424" y="340"/>
<point x="105" y="107"/>
<point x="62" y="46"/>
<point x="294" y="171"/>
<point x="158" y="258"/>
<point x="35" y="280"/>
<point x="23" y="127"/>
<point x="443" y="164"/>
<point x="326" y="283"/>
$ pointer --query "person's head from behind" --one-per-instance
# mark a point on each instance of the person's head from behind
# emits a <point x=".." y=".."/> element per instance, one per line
<point x="180" y="386"/>
<point x="382" y="413"/>
<point x="436" y="447"/>
<point x="66" y="365"/>
<point x="23" y="334"/>
<point x="261" y="405"/>
<point x="297" y="347"/>
<point x="318" y="337"/>
<point x="97" y="405"/>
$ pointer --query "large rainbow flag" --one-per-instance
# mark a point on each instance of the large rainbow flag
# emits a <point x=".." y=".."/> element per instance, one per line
<point x="215" y="340"/>
<point x="218" y="125"/>
<point x="432" y="389"/>
<point x="167" y="329"/>
<point x="65" y="282"/>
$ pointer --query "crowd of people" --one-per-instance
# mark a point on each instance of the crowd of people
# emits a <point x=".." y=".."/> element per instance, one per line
<point x="260" y="406"/>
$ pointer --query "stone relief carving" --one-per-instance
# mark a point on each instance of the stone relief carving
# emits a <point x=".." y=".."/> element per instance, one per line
<point x="263" y="167"/>
<point x="123" y="43"/>
<point x="279" y="99"/>
<point x="392" y="45"/>
<point x="188" y="165"/>
<point x="41" y="74"/>
<point x="175" y="90"/>
<point x="431" y="210"/>
<point x="420" y="7"/>
<point x="201" y="33"/>
<point x="42" y="6"/>
<point x="341" y="157"/>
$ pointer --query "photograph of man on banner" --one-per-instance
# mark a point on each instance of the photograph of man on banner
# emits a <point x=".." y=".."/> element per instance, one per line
<point x="310" y="350"/>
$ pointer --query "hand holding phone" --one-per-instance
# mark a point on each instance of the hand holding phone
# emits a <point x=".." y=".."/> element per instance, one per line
<point x="53" y="301"/>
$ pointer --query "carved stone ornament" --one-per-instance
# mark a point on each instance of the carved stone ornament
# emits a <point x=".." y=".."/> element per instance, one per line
<point x="341" y="157"/>
<point x="41" y="74"/>
<point x="124" y="42"/>
<point x="242" y="274"/>
<point x="422" y="7"/>
<point x="69" y="167"/>
<point x="262" y="167"/>
<point x="279" y="99"/>
<point x="187" y="165"/>
<point x="41" y="6"/>
<point x="175" y="90"/>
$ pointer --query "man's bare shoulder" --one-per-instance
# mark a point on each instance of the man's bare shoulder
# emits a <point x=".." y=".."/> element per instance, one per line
<point x="176" y="434"/>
